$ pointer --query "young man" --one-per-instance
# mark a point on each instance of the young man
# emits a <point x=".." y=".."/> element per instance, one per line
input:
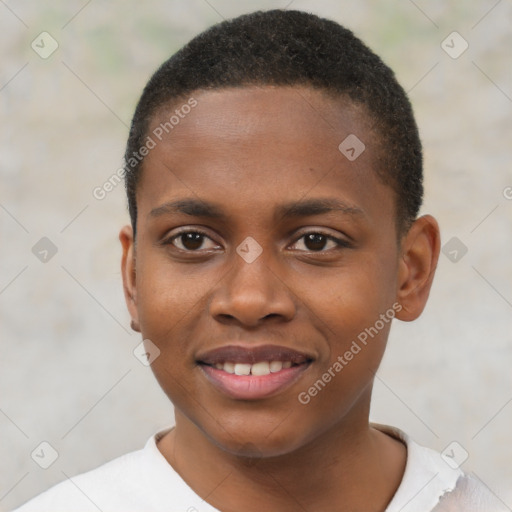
<point x="274" y="179"/>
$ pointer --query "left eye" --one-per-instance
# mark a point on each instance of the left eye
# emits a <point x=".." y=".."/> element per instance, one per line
<point x="316" y="242"/>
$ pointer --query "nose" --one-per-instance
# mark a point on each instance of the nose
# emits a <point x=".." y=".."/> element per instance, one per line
<point x="252" y="293"/>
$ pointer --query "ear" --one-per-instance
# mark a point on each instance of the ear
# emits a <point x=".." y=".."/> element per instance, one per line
<point x="418" y="261"/>
<point x="129" y="275"/>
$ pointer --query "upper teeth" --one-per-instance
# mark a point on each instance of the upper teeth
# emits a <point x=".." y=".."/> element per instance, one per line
<point x="260" y="368"/>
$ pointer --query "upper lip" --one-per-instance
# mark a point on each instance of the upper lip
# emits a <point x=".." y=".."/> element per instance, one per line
<point x="252" y="354"/>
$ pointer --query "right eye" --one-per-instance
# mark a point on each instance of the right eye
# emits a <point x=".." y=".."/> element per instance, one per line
<point x="190" y="241"/>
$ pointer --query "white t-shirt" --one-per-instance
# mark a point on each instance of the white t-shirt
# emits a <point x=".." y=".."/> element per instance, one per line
<point x="143" y="481"/>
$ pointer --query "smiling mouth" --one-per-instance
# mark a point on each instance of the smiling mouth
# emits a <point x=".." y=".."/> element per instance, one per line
<point x="253" y="373"/>
<point x="258" y="369"/>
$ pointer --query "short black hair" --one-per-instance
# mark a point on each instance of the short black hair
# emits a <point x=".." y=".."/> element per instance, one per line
<point x="290" y="48"/>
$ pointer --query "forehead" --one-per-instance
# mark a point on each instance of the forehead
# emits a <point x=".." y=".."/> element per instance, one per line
<point x="262" y="144"/>
<point x="288" y="113"/>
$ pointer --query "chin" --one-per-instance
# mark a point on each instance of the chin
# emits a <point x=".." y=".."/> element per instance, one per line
<point x="258" y="440"/>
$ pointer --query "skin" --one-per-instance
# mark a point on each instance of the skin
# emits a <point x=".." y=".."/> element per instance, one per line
<point x="249" y="150"/>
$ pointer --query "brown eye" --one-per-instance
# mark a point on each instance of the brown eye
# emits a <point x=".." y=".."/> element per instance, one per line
<point x="190" y="241"/>
<point x="315" y="241"/>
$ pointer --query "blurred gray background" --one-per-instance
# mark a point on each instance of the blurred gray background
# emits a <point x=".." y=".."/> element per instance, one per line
<point x="68" y="375"/>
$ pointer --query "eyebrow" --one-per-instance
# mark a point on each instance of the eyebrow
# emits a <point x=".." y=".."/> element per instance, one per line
<point x="192" y="207"/>
<point x="293" y="209"/>
<point x="318" y="206"/>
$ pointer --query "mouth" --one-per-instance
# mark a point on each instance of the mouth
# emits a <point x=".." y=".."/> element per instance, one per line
<point x="253" y="373"/>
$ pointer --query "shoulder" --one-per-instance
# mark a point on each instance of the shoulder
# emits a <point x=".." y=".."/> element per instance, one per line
<point x="93" y="489"/>
<point x="433" y="482"/>
<point x="470" y="495"/>
<point x="138" y="481"/>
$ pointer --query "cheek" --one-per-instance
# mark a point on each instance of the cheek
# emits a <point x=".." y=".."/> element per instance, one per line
<point x="353" y="299"/>
<point x="357" y="338"/>
<point x="167" y="293"/>
<point x="166" y="301"/>
<point x="167" y="304"/>
<point x="355" y="307"/>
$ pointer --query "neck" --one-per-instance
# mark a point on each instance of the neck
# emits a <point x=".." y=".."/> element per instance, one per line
<point x="335" y="471"/>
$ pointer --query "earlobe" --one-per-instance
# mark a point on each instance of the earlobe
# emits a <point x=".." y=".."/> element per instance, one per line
<point x="128" y="270"/>
<point x="418" y="261"/>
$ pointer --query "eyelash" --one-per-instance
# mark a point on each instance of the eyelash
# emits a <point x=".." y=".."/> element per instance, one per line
<point x="338" y="241"/>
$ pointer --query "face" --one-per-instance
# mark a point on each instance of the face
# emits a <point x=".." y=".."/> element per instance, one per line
<point x="266" y="268"/>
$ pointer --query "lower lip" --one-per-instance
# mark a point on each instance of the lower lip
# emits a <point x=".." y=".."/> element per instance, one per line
<point x="253" y="387"/>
